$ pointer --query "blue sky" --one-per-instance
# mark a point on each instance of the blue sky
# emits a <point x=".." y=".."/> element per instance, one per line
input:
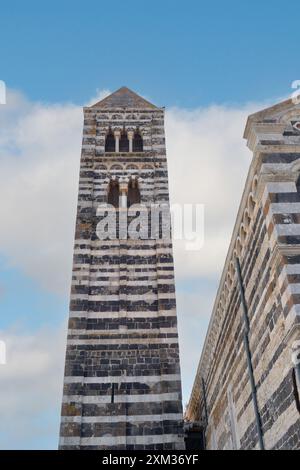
<point x="210" y="64"/>
<point x="188" y="53"/>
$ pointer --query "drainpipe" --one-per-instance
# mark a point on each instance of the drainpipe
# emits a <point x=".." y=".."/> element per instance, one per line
<point x="296" y="371"/>
<point x="249" y="357"/>
<point x="205" y="411"/>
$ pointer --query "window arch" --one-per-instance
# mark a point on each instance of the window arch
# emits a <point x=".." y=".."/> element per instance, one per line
<point x="137" y="145"/>
<point x="247" y="219"/>
<point x="113" y="193"/>
<point x="133" y="196"/>
<point x="243" y="234"/>
<point x="251" y="204"/>
<point x="116" y="167"/>
<point x="124" y="142"/>
<point x="254" y="184"/>
<point x="238" y="247"/>
<point x="110" y="144"/>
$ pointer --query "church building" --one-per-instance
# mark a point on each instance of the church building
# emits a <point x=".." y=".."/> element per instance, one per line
<point x="247" y="387"/>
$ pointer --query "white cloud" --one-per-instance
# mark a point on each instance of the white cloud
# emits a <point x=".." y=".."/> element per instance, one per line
<point x="193" y="316"/>
<point x="39" y="166"/>
<point x="208" y="162"/>
<point x="31" y="388"/>
<point x="39" y="163"/>
<point x="100" y="95"/>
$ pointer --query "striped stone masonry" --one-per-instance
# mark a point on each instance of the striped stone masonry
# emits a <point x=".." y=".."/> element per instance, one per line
<point x="122" y="386"/>
<point x="266" y="240"/>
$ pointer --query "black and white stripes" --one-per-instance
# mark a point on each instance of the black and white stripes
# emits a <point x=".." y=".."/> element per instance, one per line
<point x="122" y="387"/>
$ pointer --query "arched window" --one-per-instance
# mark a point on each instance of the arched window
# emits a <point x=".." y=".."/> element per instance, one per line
<point x="110" y="145"/>
<point x="133" y="196"/>
<point x="113" y="193"/>
<point x="124" y="143"/>
<point x="137" y="145"/>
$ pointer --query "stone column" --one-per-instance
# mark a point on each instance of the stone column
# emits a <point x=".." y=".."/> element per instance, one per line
<point x="130" y="135"/>
<point x="117" y="135"/>
<point x="123" y="194"/>
<point x="123" y="186"/>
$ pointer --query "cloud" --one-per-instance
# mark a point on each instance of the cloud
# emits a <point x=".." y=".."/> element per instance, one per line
<point x="31" y="388"/>
<point x="208" y="162"/>
<point x="100" y="95"/>
<point x="194" y="307"/>
<point x="39" y="165"/>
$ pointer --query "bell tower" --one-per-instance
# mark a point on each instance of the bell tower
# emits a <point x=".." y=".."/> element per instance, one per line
<point x="122" y="385"/>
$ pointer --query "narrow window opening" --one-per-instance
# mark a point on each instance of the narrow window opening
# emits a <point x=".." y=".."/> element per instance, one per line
<point x="298" y="185"/>
<point x="133" y="196"/>
<point x="296" y="391"/>
<point x="110" y="144"/>
<point x="124" y="143"/>
<point x="113" y="194"/>
<point x="137" y="142"/>
<point x="112" y="393"/>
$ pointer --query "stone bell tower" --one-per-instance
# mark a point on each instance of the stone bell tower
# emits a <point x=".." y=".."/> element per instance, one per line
<point x="122" y="386"/>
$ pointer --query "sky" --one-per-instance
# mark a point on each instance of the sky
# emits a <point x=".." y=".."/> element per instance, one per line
<point x="211" y="64"/>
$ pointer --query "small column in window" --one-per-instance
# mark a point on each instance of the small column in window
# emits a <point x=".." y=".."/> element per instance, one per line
<point x="130" y="135"/>
<point x="117" y="135"/>
<point x="123" y="194"/>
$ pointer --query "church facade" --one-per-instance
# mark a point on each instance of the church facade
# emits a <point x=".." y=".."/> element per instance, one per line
<point x="247" y="386"/>
<point x="122" y="385"/>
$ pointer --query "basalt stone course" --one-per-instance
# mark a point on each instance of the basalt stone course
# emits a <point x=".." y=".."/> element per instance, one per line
<point x="266" y="239"/>
<point x="122" y="386"/>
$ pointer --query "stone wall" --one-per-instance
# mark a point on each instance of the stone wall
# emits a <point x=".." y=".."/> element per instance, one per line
<point x="122" y="386"/>
<point x="266" y="240"/>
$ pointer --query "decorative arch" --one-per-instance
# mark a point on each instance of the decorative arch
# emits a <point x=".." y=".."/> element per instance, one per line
<point x="289" y="115"/>
<point x="251" y="204"/>
<point x="231" y="270"/>
<point x="147" y="167"/>
<point x="226" y="290"/>
<point x="254" y="184"/>
<point x="295" y="166"/>
<point x="131" y="166"/>
<point x="243" y="234"/>
<point x="238" y="247"/>
<point x="247" y="219"/>
<point x="102" y="167"/>
<point x="116" y="167"/>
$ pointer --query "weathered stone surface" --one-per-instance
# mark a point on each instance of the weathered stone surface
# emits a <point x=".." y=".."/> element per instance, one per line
<point x="122" y="387"/>
<point x="266" y="239"/>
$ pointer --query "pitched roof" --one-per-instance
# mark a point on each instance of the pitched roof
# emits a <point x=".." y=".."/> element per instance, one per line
<point x="123" y="98"/>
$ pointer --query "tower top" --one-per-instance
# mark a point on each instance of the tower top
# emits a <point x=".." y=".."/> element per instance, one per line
<point x="124" y="98"/>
